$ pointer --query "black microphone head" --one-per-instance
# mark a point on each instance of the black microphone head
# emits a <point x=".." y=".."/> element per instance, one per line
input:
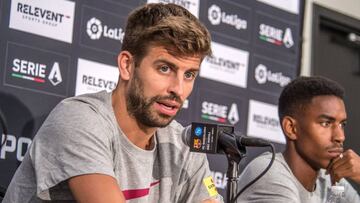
<point x="201" y="137"/>
<point x="186" y="135"/>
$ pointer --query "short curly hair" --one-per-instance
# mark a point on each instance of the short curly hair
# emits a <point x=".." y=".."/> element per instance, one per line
<point x="299" y="92"/>
<point x="167" y="25"/>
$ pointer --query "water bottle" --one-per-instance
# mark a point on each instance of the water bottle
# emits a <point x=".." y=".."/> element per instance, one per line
<point x="335" y="194"/>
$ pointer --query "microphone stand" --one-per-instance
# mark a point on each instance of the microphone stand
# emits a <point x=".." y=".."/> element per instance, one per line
<point x="234" y="154"/>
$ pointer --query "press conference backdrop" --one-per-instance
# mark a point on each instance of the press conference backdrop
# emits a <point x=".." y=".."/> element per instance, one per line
<point x="55" y="49"/>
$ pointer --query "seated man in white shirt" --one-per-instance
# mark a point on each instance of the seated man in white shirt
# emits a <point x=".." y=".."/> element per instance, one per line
<point x="312" y="116"/>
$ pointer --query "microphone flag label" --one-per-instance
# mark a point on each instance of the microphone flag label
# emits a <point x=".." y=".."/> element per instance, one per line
<point x="210" y="186"/>
<point x="204" y="138"/>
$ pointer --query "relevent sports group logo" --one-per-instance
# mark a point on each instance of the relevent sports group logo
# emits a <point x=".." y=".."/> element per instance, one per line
<point x="292" y="6"/>
<point x="53" y="20"/>
<point x="227" y="65"/>
<point x="93" y="77"/>
<point x="263" y="121"/>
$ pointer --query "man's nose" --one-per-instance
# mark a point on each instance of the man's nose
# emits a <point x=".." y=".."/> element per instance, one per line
<point x="177" y="86"/>
<point x="338" y="134"/>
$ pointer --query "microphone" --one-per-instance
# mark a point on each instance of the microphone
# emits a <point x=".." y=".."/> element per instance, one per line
<point x="250" y="141"/>
<point x="216" y="138"/>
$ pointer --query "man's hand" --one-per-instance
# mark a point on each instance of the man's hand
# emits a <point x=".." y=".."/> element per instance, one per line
<point x="345" y="166"/>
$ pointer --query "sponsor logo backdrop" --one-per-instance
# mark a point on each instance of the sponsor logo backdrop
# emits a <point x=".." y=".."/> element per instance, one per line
<point x="50" y="50"/>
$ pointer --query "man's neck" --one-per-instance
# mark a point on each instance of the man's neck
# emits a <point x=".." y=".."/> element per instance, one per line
<point x="305" y="174"/>
<point x="138" y="134"/>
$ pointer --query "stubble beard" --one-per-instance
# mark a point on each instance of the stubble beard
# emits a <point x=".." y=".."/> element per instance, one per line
<point x="139" y="106"/>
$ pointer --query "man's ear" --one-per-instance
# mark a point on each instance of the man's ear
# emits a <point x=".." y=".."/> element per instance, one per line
<point x="125" y="64"/>
<point x="289" y="125"/>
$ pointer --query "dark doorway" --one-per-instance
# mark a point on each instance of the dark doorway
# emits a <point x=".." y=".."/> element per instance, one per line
<point x="336" y="54"/>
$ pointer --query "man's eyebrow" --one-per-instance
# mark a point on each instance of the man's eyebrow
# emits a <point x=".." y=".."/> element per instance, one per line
<point x="173" y="65"/>
<point x="324" y="116"/>
<point x="166" y="62"/>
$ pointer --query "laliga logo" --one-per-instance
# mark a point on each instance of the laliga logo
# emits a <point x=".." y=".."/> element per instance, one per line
<point x="94" y="28"/>
<point x="262" y="75"/>
<point x="214" y="14"/>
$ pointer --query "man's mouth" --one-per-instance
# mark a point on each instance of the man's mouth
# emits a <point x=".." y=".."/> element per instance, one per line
<point x="168" y="107"/>
<point x="335" y="152"/>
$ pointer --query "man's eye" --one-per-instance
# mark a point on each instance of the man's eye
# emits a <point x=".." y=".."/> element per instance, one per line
<point x="342" y="125"/>
<point x="190" y="75"/>
<point x="164" y="69"/>
<point x="325" y="123"/>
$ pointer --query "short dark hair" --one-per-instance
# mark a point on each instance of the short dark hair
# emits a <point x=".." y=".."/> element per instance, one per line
<point x="167" y="25"/>
<point x="299" y="92"/>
